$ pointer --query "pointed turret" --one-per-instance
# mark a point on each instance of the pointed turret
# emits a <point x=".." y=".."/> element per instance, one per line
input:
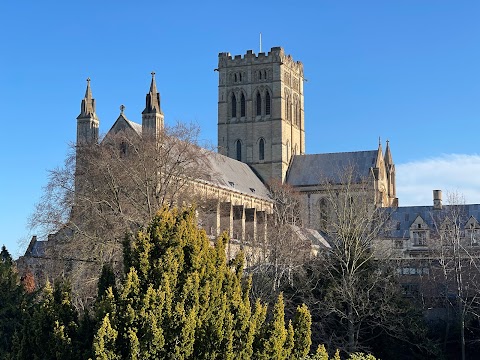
<point x="379" y="161"/>
<point x="152" y="116"/>
<point x="388" y="155"/>
<point x="87" y="121"/>
<point x="390" y="169"/>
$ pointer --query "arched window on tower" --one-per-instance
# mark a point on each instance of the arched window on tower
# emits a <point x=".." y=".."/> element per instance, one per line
<point x="238" y="148"/>
<point x="299" y="115"/>
<point x="286" y="107"/>
<point x="295" y="113"/>
<point x="323" y="209"/>
<point x="261" y="149"/>
<point x="242" y="105"/>
<point x="268" y="104"/>
<point x="259" y="104"/>
<point x="234" y="106"/>
<point x="235" y="77"/>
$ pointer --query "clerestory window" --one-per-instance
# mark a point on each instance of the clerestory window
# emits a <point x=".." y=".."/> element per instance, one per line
<point x="234" y="106"/>
<point x="259" y="104"/>
<point x="268" y="104"/>
<point x="238" y="148"/>
<point x="261" y="149"/>
<point x="242" y="105"/>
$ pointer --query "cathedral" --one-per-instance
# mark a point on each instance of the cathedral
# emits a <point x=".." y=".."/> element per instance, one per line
<point x="261" y="140"/>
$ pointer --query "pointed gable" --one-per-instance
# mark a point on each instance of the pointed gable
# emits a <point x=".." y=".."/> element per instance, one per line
<point x="123" y="124"/>
<point x="472" y="223"/>
<point x="419" y="224"/>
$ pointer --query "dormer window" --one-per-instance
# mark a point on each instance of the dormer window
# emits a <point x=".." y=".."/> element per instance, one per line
<point x="419" y="232"/>
<point x="231" y="183"/>
<point x="419" y="238"/>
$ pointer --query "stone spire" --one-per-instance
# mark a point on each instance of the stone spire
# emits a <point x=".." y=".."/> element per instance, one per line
<point x="87" y="121"/>
<point x="87" y="109"/>
<point x="152" y="116"/>
<point x="390" y="170"/>
<point x="152" y="105"/>
<point x="388" y="155"/>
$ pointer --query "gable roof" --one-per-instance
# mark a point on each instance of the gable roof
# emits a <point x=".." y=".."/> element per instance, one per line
<point x="234" y="175"/>
<point x="403" y="217"/>
<point x="309" y="170"/>
<point x="122" y="124"/>
<point x="225" y="172"/>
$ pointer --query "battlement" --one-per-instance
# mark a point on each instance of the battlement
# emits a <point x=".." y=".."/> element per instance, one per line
<point x="275" y="55"/>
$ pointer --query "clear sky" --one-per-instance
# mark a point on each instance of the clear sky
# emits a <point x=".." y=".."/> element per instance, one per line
<point x="403" y="70"/>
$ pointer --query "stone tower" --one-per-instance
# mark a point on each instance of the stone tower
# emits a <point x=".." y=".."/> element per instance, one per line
<point x="260" y="110"/>
<point x="87" y="121"/>
<point x="152" y="116"/>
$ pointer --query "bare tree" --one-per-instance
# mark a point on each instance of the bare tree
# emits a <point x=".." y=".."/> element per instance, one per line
<point x="456" y="264"/>
<point x="352" y="293"/>
<point x="351" y="267"/>
<point x="106" y="189"/>
<point x="285" y="250"/>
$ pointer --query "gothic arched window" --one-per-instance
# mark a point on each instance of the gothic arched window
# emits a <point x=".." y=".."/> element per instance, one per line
<point x="259" y="104"/>
<point x="295" y="113"/>
<point x="299" y="115"/>
<point x="268" y="103"/>
<point x="242" y="105"/>
<point x="234" y="106"/>
<point x="323" y="213"/>
<point x="261" y="149"/>
<point x="235" y="77"/>
<point x="287" y="112"/>
<point x="238" y="148"/>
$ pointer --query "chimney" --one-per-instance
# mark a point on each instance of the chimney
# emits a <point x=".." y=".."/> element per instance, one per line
<point x="437" y="199"/>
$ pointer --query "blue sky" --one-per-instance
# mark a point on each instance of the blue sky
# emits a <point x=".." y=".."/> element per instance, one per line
<point x="407" y="71"/>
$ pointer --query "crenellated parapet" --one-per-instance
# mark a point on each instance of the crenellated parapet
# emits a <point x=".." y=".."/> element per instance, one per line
<point x="275" y="55"/>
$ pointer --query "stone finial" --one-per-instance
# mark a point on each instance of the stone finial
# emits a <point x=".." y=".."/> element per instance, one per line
<point x="122" y="109"/>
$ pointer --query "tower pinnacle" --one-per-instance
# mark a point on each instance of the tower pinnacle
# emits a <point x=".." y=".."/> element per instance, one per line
<point x="152" y="116"/>
<point x="152" y="103"/>
<point x="87" y="121"/>
<point x="87" y="109"/>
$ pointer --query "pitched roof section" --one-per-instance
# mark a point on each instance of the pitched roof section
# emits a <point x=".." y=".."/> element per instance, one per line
<point x="122" y="124"/>
<point x="225" y="172"/>
<point x="403" y="217"/>
<point x="234" y="175"/>
<point x="310" y="170"/>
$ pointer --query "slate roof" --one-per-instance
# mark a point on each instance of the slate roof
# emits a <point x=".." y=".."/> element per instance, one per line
<point x="225" y="172"/>
<point x="136" y="127"/>
<point x="36" y="247"/>
<point x="234" y="175"/>
<point x="403" y="217"/>
<point x="310" y="170"/>
<point x="122" y="123"/>
<point x="311" y="236"/>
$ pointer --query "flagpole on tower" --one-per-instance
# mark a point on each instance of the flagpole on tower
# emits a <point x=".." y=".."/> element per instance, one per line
<point x="260" y="42"/>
